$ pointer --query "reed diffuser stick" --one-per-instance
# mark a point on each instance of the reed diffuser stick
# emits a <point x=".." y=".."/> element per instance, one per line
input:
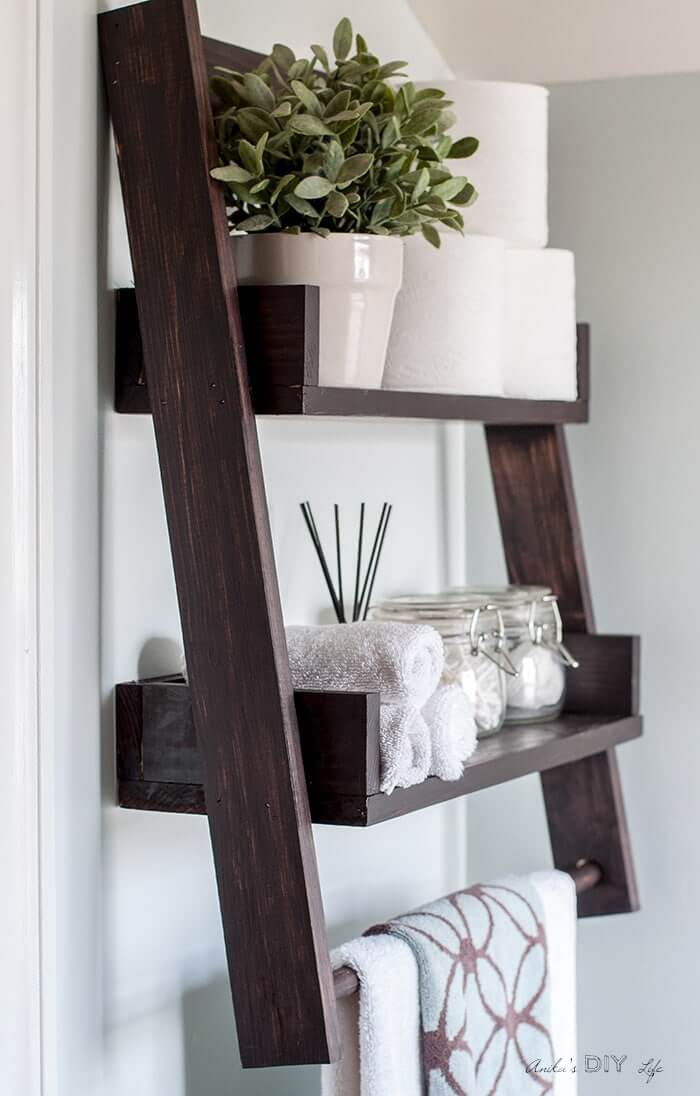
<point x="376" y="565"/>
<point x="316" y="541"/>
<point x="356" y="599"/>
<point x="363" y="585"/>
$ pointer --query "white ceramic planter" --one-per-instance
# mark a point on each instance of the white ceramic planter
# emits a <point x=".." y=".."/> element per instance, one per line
<point x="359" y="277"/>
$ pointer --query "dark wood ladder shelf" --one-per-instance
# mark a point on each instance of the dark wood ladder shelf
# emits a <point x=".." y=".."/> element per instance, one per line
<point x="281" y="332"/>
<point x="262" y="759"/>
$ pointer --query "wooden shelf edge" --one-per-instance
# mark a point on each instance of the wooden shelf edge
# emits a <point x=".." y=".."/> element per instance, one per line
<point x="281" y="325"/>
<point x="514" y="752"/>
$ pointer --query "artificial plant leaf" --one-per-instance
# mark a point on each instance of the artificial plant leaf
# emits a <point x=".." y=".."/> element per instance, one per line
<point x="337" y="204"/>
<point x="231" y="173"/>
<point x="355" y="166"/>
<point x="301" y="205"/>
<point x="466" y="196"/>
<point x="448" y="189"/>
<point x="283" y="182"/>
<point x="313" y="186"/>
<point x="258" y="92"/>
<point x="466" y="146"/>
<point x="248" y="156"/>
<point x="339" y="102"/>
<point x="342" y="39"/>
<point x="390" y="69"/>
<point x="333" y="158"/>
<point x="309" y="125"/>
<point x="257" y="223"/>
<point x="306" y="96"/>
<point x="224" y="91"/>
<point x="431" y="234"/>
<point x="283" y="56"/>
<point x="321" y="56"/>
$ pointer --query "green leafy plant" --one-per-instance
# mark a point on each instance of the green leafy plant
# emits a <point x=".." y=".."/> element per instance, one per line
<point x="310" y="145"/>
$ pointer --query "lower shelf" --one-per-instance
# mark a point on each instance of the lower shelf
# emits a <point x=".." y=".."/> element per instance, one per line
<point x="159" y="768"/>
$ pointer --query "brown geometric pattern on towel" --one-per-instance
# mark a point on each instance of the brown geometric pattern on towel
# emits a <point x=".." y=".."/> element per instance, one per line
<point x="482" y="958"/>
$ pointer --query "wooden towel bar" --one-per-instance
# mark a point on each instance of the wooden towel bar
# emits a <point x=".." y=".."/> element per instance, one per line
<point x="585" y="875"/>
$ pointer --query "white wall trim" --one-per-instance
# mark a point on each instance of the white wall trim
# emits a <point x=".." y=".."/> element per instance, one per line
<point x="20" y="910"/>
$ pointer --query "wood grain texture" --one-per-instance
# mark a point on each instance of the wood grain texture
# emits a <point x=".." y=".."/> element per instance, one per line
<point x="281" y="334"/>
<point x="340" y="746"/>
<point x="586" y="818"/>
<point x="607" y="679"/>
<point x="280" y="331"/>
<point x="243" y="704"/>
<point x="339" y="735"/>
<point x="538" y="515"/>
<point x="543" y="544"/>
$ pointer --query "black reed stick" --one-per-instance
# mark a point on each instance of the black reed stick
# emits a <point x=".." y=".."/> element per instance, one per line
<point x="339" y="563"/>
<point x="363" y="587"/>
<point x="356" y="599"/>
<point x="376" y="564"/>
<point x="373" y="553"/>
<point x="316" y="541"/>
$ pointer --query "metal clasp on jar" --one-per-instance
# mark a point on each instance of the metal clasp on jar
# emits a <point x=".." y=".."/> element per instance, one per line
<point x="479" y="640"/>
<point x="539" y="636"/>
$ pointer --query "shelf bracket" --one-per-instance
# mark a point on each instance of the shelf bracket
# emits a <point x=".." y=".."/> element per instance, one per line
<point x="242" y="700"/>
<point x="543" y="545"/>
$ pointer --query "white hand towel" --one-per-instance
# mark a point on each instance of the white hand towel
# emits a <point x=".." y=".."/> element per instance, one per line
<point x="450" y="719"/>
<point x="558" y="897"/>
<point x="404" y="747"/>
<point x="403" y="662"/>
<point x="447" y="334"/>
<point x="540" y="337"/>
<point x="379" y="1026"/>
<point x="509" y="169"/>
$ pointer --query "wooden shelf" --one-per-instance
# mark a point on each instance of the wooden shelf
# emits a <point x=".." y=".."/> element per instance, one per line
<point x="280" y="327"/>
<point x="159" y="765"/>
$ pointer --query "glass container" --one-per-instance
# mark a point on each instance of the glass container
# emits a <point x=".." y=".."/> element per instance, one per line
<point x="534" y="644"/>
<point x="474" y="639"/>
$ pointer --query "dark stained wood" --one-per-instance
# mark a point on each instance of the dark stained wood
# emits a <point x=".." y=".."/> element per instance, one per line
<point x="129" y="722"/>
<point x="243" y="704"/>
<point x="607" y="679"/>
<point x="339" y="736"/>
<point x="281" y="333"/>
<point x="228" y="56"/>
<point x="586" y="876"/>
<point x="543" y="544"/>
<point x="538" y="515"/>
<point x="514" y="752"/>
<point x="340" y="746"/>
<point x="586" y="818"/>
<point x="280" y="329"/>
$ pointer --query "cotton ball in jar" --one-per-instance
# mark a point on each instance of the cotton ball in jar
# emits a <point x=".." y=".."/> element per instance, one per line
<point x="482" y="682"/>
<point x="541" y="680"/>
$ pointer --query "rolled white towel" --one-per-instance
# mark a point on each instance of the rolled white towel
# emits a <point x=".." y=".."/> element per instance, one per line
<point x="403" y="662"/>
<point x="449" y="715"/>
<point x="404" y="747"/>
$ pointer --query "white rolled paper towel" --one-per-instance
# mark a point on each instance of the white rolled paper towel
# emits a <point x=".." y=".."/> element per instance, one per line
<point x="540" y="339"/>
<point x="447" y="334"/>
<point x="509" y="169"/>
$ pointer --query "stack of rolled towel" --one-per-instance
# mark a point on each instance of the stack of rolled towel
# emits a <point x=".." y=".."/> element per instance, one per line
<point x="426" y="728"/>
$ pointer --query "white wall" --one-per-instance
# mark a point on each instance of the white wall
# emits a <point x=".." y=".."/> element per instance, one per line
<point x="168" y="1022"/>
<point x="550" y="40"/>
<point x="625" y="165"/>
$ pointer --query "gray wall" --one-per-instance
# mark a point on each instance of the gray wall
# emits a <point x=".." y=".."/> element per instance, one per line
<point x="625" y="178"/>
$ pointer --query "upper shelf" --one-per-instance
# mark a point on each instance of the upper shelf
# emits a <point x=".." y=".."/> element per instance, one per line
<point x="281" y="325"/>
